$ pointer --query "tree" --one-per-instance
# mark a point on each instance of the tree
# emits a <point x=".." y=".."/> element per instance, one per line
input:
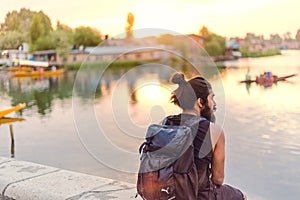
<point x="40" y="29"/>
<point x="244" y="49"/>
<point x="287" y="36"/>
<point x="86" y="36"/>
<point x="12" y="40"/>
<point x="61" y="42"/>
<point x="57" y="40"/>
<point x="215" y="46"/>
<point x="40" y="26"/>
<point x="12" y="21"/>
<point x="203" y="32"/>
<point x="46" y="22"/>
<point x="66" y="29"/>
<point x="252" y="38"/>
<point x="26" y="17"/>
<point x="43" y="43"/>
<point x="130" y="22"/>
<point x="275" y="39"/>
<point x="298" y="35"/>
<point x="213" y="43"/>
<point x="36" y="28"/>
<point x="17" y="21"/>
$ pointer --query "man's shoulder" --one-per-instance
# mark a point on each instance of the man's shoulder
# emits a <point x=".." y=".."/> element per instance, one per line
<point x="215" y="128"/>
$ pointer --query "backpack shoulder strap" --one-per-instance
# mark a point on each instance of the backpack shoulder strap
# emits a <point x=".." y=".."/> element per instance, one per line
<point x="193" y="121"/>
<point x="164" y="121"/>
<point x="189" y="123"/>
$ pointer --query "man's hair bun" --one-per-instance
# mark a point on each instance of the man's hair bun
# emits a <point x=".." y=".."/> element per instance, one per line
<point x="177" y="78"/>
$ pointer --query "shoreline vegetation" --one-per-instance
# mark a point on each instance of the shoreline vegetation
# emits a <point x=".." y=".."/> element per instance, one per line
<point x="125" y="65"/>
<point x="247" y="54"/>
<point x="255" y="54"/>
<point x="32" y="30"/>
<point x="128" y="64"/>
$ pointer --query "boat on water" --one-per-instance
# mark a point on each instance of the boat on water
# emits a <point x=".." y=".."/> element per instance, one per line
<point x="8" y="120"/>
<point x="38" y="73"/>
<point x="12" y="109"/>
<point x="24" y="68"/>
<point x="266" y="78"/>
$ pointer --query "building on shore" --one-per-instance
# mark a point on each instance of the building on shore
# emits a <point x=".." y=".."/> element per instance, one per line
<point x="111" y="53"/>
<point x="139" y="49"/>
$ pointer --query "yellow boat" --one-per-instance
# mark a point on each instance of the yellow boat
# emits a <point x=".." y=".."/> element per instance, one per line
<point x="23" y="68"/>
<point x="12" y="109"/>
<point x="5" y="120"/>
<point x="21" y="73"/>
<point x="13" y="69"/>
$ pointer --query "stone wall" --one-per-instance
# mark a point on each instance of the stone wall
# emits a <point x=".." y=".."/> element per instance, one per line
<point x="22" y="180"/>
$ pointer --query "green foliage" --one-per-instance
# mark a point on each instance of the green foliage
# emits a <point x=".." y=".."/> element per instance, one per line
<point x="40" y="26"/>
<point x="43" y="43"/>
<point x="26" y="17"/>
<point x="255" y="54"/>
<point x="117" y="65"/>
<point x="213" y="48"/>
<point x="214" y="44"/>
<point x="12" y="21"/>
<point x="57" y="40"/>
<point x="46" y="22"/>
<point x="26" y="26"/>
<point x="67" y="30"/>
<point x="36" y="29"/>
<point x="61" y="42"/>
<point x="12" y="40"/>
<point x="86" y="36"/>
<point x="244" y="49"/>
<point x="17" y="21"/>
<point x="40" y="30"/>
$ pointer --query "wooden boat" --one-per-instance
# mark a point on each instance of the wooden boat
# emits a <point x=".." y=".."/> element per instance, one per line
<point x="38" y="73"/>
<point x="25" y="68"/>
<point x="264" y="80"/>
<point x="12" y="109"/>
<point x="6" y="120"/>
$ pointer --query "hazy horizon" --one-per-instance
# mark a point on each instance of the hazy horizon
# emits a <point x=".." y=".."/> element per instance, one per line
<point x="230" y="18"/>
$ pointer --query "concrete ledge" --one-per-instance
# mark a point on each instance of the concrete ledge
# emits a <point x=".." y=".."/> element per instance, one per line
<point x="22" y="180"/>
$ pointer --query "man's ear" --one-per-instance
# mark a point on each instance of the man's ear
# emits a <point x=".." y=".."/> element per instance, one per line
<point x="199" y="103"/>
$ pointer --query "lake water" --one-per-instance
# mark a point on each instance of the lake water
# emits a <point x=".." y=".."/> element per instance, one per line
<point x="96" y="125"/>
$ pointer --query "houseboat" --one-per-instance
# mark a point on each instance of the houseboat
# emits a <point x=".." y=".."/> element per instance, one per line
<point x="22" y="68"/>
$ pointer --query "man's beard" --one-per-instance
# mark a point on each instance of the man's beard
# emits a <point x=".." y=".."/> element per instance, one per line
<point x="209" y="113"/>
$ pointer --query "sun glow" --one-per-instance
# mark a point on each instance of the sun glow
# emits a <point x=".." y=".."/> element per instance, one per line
<point x="151" y="92"/>
<point x="153" y="97"/>
<point x="227" y="18"/>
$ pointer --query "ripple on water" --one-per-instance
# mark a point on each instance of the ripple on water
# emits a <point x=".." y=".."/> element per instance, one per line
<point x="265" y="136"/>
<point x="292" y="148"/>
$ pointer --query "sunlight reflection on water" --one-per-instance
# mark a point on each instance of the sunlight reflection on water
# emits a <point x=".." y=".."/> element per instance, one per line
<point x="262" y="127"/>
<point x="261" y="124"/>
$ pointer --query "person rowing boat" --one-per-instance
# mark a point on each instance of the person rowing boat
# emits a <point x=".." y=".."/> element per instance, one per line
<point x="267" y="78"/>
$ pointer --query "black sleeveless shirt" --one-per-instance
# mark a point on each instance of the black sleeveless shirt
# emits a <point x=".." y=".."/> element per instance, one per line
<point x="202" y="141"/>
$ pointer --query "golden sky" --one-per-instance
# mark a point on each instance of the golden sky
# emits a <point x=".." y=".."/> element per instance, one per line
<point x="224" y="17"/>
